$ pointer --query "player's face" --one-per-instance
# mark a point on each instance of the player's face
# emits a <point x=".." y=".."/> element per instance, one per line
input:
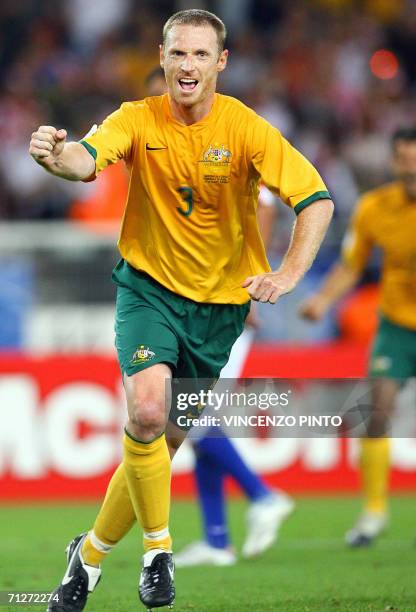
<point x="404" y="165"/>
<point x="192" y="61"/>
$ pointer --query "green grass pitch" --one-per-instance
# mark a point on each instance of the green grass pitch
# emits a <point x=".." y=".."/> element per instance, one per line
<point x="309" y="569"/>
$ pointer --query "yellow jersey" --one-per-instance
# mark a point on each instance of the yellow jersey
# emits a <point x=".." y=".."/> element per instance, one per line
<point x="190" y="218"/>
<point x="386" y="218"/>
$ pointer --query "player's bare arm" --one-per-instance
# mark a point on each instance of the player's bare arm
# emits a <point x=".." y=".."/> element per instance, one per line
<point x="266" y="217"/>
<point x="340" y="279"/>
<point x="68" y="160"/>
<point x="308" y="234"/>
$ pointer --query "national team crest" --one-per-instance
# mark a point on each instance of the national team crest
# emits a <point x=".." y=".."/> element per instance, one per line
<point x="217" y="154"/>
<point x="142" y="355"/>
<point x="216" y="164"/>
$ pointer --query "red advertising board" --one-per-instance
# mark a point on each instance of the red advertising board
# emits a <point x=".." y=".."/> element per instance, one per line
<point x="62" y="418"/>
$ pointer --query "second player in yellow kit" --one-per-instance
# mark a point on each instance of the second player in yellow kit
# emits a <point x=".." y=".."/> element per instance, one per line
<point x="384" y="218"/>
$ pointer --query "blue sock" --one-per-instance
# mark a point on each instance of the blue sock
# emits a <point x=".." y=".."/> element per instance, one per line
<point x="210" y="485"/>
<point x="227" y="460"/>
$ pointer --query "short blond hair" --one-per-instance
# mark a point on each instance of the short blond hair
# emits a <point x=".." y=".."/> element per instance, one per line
<point x="197" y="17"/>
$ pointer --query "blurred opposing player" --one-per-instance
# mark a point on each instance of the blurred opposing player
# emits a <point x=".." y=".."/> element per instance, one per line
<point x="384" y="218"/>
<point x="192" y="258"/>
<point x="216" y="456"/>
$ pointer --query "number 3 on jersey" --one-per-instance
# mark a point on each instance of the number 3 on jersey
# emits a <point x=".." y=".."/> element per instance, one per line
<point x="187" y="196"/>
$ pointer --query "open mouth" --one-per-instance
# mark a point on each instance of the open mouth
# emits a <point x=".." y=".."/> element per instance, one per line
<point x="188" y="84"/>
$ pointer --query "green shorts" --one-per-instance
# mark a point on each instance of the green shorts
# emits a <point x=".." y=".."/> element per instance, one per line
<point x="154" y="325"/>
<point x="394" y="352"/>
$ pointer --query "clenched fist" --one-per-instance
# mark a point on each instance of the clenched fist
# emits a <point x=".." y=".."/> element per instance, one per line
<point x="268" y="287"/>
<point x="46" y="144"/>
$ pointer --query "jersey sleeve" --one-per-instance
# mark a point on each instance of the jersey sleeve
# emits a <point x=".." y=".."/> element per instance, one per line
<point x="284" y="170"/>
<point x="357" y="243"/>
<point x="113" y="139"/>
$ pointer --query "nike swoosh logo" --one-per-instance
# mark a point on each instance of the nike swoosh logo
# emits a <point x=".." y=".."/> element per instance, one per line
<point x="171" y="573"/>
<point x="149" y="148"/>
<point x="66" y="579"/>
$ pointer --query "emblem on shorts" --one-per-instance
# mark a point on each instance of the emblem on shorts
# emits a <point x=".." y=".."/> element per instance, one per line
<point x="381" y="363"/>
<point x="142" y="355"/>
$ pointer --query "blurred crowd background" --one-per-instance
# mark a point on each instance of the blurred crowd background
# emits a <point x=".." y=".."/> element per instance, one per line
<point x="335" y="76"/>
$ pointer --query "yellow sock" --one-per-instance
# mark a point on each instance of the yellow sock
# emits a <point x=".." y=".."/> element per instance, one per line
<point x="147" y="468"/>
<point x="91" y="554"/>
<point x="116" y="515"/>
<point x="374" y="466"/>
<point x="114" y="520"/>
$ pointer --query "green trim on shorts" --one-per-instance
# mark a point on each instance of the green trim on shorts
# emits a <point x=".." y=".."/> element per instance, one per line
<point x="318" y="195"/>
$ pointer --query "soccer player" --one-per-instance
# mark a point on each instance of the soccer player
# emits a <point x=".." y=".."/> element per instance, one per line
<point x="384" y="218"/>
<point x="192" y="259"/>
